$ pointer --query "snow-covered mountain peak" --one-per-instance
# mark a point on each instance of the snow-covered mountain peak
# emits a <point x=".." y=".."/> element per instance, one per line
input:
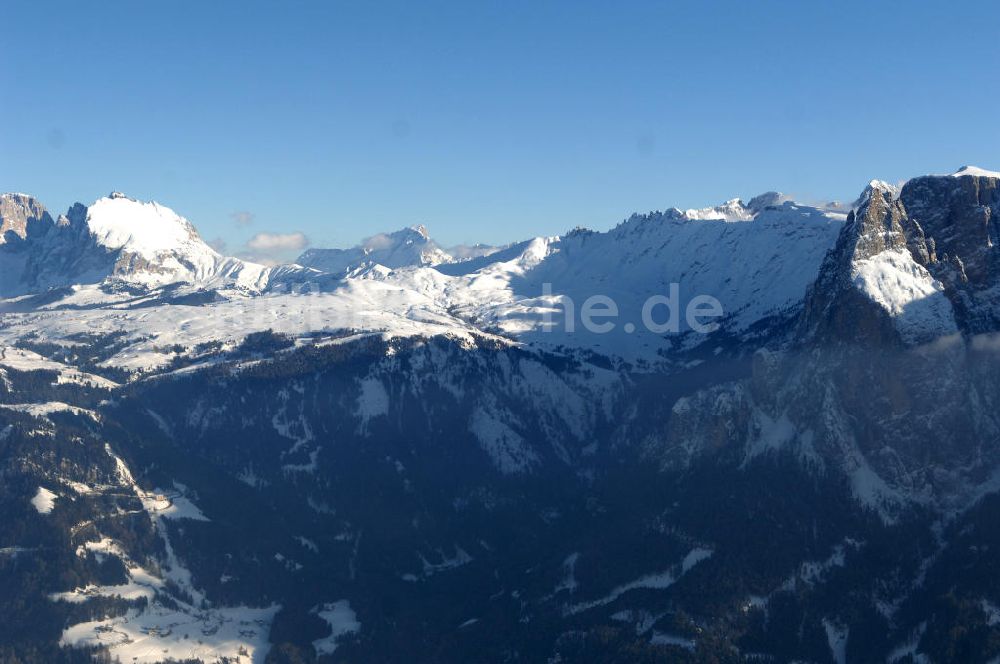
<point x="731" y="210"/>
<point x="880" y="187"/>
<point x="146" y="229"/>
<point x="975" y="171"/>
<point x="766" y="200"/>
<point x="418" y="235"/>
<point x="735" y="209"/>
<point x="407" y="247"/>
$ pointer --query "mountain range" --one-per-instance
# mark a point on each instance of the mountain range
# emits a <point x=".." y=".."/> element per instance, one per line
<point x="402" y="452"/>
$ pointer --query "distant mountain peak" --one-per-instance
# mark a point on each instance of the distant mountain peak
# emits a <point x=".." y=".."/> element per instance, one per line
<point x="15" y="195"/>
<point x="408" y="247"/>
<point x="876" y="187"/>
<point x="17" y="211"/>
<point x="144" y="228"/>
<point x="765" y="200"/>
<point x="975" y="171"/>
<point x="731" y="210"/>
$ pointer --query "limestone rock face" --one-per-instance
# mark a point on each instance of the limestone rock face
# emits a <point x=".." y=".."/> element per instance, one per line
<point x="954" y="221"/>
<point x="835" y="308"/>
<point x="958" y="216"/>
<point x="17" y="212"/>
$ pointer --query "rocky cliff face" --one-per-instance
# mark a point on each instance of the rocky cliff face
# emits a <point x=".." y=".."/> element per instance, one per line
<point x="954" y="233"/>
<point x="913" y="265"/>
<point x="17" y="212"/>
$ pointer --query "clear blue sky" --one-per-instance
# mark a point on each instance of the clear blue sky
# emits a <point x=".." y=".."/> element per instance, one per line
<point x="486" y="121"/>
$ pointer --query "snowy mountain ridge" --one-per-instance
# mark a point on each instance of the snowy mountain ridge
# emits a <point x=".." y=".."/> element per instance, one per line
<point x="758" y="260"/>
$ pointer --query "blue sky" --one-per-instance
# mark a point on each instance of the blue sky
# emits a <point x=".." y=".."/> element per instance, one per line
<point x="486" y="121"/>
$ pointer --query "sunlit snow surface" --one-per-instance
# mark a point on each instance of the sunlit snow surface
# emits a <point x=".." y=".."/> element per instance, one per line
<point x="145" y="228"/>
<point x="907" y="291"/>
<point x="43" y="410"/>
<point x="44" y="501"/>
<point x="26" y="360"/>
<point x="159" y="633"/>
<point x="975" y="171"/>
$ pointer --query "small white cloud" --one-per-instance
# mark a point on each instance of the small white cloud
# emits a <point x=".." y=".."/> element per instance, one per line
<point x="242" y="217"/>
<point x="274" y="242"/>
<point x="377" y="242"/>
<point x="273" y="248"/>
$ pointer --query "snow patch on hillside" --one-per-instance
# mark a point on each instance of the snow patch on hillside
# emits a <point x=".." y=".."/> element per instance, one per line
<point x="43" y="410"/>
<point x="158" y="633"/>
<point x="694" y="557"/>
<point x="569" y="573"/>
<point x="44" y="501"/>
<point x="658" y="581"/>
<point x="508" y="450"/>
<point x="908" y="292"/>
<point x="836" y="638"/>
<point x="26" y="360"/>
<point x="342" y="621"/>
<point x="373" y="400"/>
